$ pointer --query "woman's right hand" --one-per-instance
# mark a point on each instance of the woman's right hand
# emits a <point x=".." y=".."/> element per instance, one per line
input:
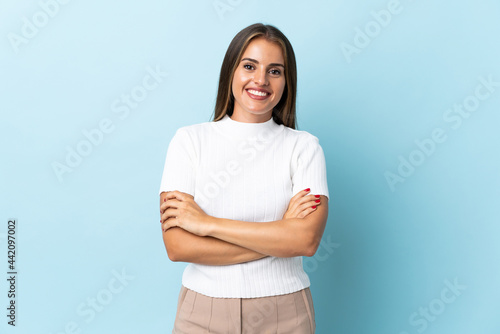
<point x="302" y="204"/>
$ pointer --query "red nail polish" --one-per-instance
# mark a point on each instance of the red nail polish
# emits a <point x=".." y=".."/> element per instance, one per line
<point x="307" y="189"/>
<point x="317" y="196"/>
<point x="317" y="201"/>
<point x="314" y="206"/>
<point x="164" y="200"/>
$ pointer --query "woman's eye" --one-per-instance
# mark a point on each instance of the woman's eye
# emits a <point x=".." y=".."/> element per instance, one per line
<point x="248" y="67"/>
<point x="275" y="72"/>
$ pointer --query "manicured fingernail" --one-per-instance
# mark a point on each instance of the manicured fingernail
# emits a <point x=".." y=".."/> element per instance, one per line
<point x="317" y="196"/>
<point x="307" y="189"/>
<point x="164" y="200"/>
<point x="317" y="201"/>
<point x="314" y="206"/>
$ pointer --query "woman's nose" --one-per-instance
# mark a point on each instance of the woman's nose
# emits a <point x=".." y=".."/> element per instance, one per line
<point x="261" y="77"/>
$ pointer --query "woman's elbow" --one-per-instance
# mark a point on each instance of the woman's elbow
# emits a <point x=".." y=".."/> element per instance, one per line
<point x="173" y="247"/>
<point x="306" y="247"/>
<point x="311" y="249"/>
<point x="312" y="239"/>
<point x="173" y="255"/>
<point x="311" y="246"/>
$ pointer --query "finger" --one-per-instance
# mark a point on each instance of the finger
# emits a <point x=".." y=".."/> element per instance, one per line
<point x="171" y="203"/>
<point x="169" y="223"/>
<point x="305" y="206"/>
<point x="306" y="201"/>
<point x="164" y="206"/>
<point x="310" y="198"/>
<point x="296" y="200"/>
<point x="169" y="213"/>
<point x="307" y="211"/>
<point x="301" y="194"/>
<point x="179" y="195"/>
<point x="313" y="203"/>
<point x="174" y="194"/>
<point x="313" y="198"/>
<point x="298" y="196"/>
<point x="316" y="199"/>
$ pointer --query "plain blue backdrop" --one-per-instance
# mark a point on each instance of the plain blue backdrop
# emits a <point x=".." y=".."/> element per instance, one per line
<point x="403" y="95"/>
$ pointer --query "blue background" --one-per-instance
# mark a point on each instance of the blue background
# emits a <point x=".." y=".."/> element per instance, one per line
<point x="388" y="253"/>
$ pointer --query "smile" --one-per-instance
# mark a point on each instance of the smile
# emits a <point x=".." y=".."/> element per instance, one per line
<point x="257" y="94"/>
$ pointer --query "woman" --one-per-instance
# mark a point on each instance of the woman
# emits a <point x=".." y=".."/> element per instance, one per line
<point x="244" y="197"/>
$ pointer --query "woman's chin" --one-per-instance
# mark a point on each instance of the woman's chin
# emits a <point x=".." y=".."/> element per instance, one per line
<point x="258" y="110"/>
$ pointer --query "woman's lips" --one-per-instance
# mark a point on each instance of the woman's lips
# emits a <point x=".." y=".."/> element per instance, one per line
<point x="257" y="94"/>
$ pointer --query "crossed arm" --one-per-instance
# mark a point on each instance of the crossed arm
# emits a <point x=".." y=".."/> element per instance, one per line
<point x="190" y="235"/>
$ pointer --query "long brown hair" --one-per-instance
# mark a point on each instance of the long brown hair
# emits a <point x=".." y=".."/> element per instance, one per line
<point x="284" y="112"/>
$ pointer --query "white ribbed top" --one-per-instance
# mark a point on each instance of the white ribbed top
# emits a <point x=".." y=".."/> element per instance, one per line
<point x="249" y="172"/>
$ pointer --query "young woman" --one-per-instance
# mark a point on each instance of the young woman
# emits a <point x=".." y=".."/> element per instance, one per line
<point x="244" y="197"/>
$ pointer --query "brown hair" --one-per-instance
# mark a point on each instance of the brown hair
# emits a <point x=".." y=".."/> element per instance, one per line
<point x="284" y="112"/>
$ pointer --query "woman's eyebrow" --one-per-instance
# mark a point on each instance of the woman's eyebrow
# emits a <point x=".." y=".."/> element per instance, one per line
<point x="255" y="61"/>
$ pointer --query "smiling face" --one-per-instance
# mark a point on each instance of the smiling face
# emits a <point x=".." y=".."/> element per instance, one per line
<point x="258" y="81"/>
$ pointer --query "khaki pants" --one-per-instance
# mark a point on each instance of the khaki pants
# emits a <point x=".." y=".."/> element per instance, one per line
<point x="291" y="313"/>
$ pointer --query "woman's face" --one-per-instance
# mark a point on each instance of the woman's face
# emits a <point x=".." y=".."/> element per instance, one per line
<point x="258" y="82"/>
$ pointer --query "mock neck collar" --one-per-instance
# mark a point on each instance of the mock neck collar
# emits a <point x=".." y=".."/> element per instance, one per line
<point x="241" y="130"/>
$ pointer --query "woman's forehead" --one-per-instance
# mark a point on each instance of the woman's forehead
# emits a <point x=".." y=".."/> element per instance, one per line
<point x="261" y="49"/>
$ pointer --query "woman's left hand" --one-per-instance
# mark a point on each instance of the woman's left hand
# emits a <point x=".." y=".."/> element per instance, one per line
<point x="179" y="209"/>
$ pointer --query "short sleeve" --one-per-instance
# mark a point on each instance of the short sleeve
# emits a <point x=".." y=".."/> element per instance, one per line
<point x="179" y="172"/>
<point x="309" y="167"/>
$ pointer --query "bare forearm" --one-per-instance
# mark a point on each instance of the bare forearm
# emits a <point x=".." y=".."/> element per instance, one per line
<point x="281" y="238"/>
<point x="195" y="243"/>
<point x="186" y="247"/>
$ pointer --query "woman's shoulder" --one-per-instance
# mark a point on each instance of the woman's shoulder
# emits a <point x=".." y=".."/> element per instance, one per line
<point x="300" y="135"/>
<point x="197" y="128"/>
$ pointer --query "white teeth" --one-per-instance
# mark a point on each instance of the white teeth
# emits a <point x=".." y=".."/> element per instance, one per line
<point x="254" y="92"/>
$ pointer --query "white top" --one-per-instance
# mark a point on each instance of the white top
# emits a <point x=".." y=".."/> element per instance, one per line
<point x="249" y="172"/>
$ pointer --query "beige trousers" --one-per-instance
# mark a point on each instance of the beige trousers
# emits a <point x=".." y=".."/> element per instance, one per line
<point x="291" y="313"/>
